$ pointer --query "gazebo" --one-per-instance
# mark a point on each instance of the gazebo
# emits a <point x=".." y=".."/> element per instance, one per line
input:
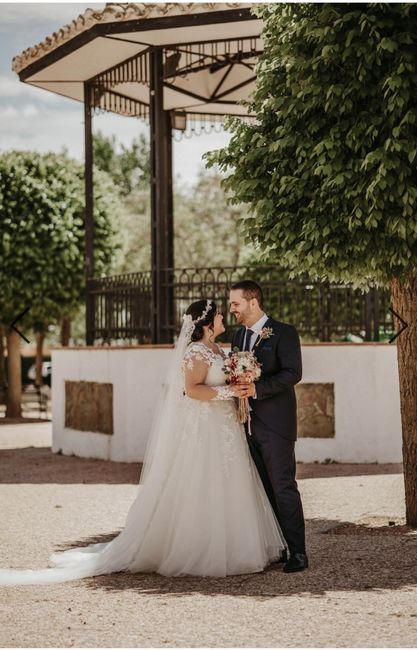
<point x="172" y="64"/>
<point x="177" y="65"/>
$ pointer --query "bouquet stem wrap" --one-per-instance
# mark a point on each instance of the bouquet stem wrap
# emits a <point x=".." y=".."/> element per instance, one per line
<point x="243" y="409"/>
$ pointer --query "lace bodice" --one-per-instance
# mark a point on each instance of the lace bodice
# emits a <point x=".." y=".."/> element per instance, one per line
<point x="199" y="352"/>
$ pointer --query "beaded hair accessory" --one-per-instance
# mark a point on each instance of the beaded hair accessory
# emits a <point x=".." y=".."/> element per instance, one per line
<point x="205" y="312"/>
<point x="190" y="323"/>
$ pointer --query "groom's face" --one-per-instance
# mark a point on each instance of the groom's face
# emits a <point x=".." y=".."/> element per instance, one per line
<point x="240" y="307"/>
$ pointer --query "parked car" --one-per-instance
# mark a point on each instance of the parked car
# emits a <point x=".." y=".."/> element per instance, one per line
<point x="46" y="372"/>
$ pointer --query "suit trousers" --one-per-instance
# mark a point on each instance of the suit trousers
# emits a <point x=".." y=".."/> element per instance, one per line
<point x="274" y="457"/>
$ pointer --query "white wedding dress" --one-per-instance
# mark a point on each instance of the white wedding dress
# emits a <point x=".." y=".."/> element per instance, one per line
<point x="201" y="510"/>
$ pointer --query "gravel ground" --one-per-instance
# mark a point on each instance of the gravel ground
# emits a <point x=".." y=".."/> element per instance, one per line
<point x="360" y="589"/>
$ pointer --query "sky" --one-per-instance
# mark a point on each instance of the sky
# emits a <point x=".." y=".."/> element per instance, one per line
<point x="36" y="119"/>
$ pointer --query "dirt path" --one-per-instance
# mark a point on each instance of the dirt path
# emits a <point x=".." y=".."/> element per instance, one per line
<point x="360" y="591"/>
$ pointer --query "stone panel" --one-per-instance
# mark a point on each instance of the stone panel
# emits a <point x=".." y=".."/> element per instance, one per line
<point x="89" y="406"/>
<point x="315" y="410"/>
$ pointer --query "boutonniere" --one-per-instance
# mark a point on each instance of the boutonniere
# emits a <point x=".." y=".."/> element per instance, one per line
<point x="265" y="333"/>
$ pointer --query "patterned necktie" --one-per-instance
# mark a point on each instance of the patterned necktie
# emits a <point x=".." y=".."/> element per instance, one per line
<point x="247" y="340"/>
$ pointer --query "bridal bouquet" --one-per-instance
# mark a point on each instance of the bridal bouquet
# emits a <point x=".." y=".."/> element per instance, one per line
<point x="239" y="368"/>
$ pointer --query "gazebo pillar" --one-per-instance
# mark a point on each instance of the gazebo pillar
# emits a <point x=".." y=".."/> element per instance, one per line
<point x="162" y="236"/>
<point x="88" y="213"/>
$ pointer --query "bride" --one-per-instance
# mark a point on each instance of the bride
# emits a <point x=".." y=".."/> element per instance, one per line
<point x="201" y="508"/>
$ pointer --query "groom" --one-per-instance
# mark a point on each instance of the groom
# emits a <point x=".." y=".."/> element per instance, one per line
<point x="273" y="418"/>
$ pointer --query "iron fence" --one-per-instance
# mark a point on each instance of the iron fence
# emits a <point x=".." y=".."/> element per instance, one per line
<point x="120" y="308"/>
<point x="121" y="305"/>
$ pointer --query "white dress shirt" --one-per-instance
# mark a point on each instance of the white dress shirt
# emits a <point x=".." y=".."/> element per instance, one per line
<point x="256" y="328"/>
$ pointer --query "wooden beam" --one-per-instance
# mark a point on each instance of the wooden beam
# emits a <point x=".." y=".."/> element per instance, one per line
<point x="138" y="25"/>
<point x="161" y="205"/>
<point x="233" y="88"/>
<point x="189" y="93"/>
<point x="89" y="213"/>
<point x="222" y="80"/>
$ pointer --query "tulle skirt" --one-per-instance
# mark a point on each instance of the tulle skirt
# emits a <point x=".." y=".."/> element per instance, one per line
<point x="203" y="514"/>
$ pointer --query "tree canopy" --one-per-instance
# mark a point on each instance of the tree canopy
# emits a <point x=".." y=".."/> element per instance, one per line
<point x="129" y="166"/>
<point x="42" y="234"/>
<point x="328" y="168"/>
<point x="207" y="228"/>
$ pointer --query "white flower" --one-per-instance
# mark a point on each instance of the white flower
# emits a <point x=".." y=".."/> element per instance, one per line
<point x="265" y="333"/>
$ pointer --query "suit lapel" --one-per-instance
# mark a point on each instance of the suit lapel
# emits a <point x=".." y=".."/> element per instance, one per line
<point x="258" y="343"/>
<point x="240" y="336"/>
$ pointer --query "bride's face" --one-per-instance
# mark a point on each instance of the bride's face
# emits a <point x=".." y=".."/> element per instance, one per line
<point x="218" y="327"/>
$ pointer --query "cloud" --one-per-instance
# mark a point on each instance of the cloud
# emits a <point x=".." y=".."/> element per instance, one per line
<point x="26" y="127"/>
<point x="8" y="111"/>
<point x="37" y="127"/>
<point x="187" y="153"/>
<point x="56" y="12"/>
<point x="26" y="110"/>
<point x="10" y="87"/>
<point x="13" y="88"/>
<point x="24" y="25"/>
<point x="34" y="119"/>
<point x="29" y="110"/>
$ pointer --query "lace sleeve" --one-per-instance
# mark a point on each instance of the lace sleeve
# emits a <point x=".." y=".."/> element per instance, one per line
<point x="195" y="364"/>
<point x="196" y="355"/>
<point x="223" y="392"/>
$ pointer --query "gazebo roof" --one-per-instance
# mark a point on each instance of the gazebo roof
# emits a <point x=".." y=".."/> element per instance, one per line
<point x="173" y="63"/>
<point x="209" y="50"/>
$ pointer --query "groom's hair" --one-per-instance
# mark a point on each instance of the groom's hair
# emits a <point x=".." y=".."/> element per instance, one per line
<point x="250" y="290"/>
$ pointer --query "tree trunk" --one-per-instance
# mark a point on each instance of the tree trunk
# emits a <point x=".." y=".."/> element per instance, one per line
<point x="404" y="299"/>
<point x="40" y="336"/>
<point x="3" y="379"/>
<point x="14" y="376"/>
<point x="3" y="375"/>
<point x="65" y="331"/>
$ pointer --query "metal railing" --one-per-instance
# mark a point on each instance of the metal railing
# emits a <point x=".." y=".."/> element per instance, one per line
<point x="120" y="308"/>
<point x="121" y="305"/>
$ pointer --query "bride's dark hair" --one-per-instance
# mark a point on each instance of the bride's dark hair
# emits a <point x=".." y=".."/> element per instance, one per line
<point x="196" y="310"/>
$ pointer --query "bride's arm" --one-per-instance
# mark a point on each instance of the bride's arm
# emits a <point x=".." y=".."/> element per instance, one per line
<point x="195" y="372"/>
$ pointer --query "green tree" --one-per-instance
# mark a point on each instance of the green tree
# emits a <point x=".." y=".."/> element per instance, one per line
<point x="329" y="168"/>
<point x="207" y="226"/>
<point x="135" y="217"/>
<point x="129" y="166"/>
<point x="42" y="244"/>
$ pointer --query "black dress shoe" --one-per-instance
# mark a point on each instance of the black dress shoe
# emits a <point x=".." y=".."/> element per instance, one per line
<point x="297" y="562"/>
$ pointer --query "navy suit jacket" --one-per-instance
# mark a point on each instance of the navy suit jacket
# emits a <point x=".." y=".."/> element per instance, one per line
<point x="275" y="408"/>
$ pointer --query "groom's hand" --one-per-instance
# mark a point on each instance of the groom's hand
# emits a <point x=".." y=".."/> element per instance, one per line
<point x="241" y="390"/>
<point x="251" y="390"/>
<point x="246" y="390"/>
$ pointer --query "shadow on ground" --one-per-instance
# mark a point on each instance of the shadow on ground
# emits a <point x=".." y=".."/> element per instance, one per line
<point x="365" y="555"/>
<point x="344" y="556"/>
<point x="40" y="465"/>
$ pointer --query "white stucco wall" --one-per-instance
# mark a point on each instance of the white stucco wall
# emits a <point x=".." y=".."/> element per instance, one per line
<point x="367" y="404"/>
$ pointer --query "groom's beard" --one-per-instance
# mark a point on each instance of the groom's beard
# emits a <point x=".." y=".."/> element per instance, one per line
<point x="240" y="318"/>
